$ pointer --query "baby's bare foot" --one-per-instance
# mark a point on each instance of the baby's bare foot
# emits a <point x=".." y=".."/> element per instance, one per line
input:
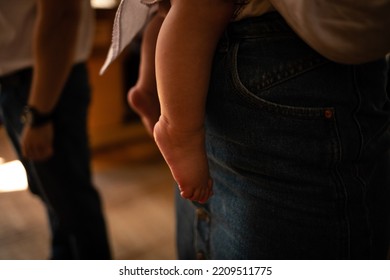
<point x="184" y="152"/>
<point x="145" y="103"/>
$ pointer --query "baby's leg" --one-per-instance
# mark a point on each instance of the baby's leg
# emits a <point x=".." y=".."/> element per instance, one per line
<point x="184" y="57"/>
<point x="143" y="96"/>
<point x="184" y="151"/>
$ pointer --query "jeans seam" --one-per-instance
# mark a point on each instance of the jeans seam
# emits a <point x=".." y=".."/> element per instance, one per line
<point x="363" y="183"/>
<point x="346" y="221"/>
<point x="340" y="182"/>
<point x="367" y="211"/>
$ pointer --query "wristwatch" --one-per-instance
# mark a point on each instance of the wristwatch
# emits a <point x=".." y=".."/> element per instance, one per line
<point x="32" y="117"/>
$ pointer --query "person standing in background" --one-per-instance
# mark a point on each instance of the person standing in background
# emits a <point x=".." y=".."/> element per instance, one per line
<point x="44" y="99"/>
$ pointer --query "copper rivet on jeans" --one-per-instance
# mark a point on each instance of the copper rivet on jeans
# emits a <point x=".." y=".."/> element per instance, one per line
<point x="202" y="214"/>
<point x="328" y="114"/>
<point x="200" y="256"/>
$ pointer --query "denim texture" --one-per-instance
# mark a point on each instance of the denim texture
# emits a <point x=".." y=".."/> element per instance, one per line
<point x="298" y="148"/>
<point x="63" y="182"/>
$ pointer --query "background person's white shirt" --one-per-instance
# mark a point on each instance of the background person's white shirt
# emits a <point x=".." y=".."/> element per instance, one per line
<point x="17" y="18"/>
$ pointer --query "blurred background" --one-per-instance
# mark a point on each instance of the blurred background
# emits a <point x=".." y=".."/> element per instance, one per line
<point x="129" y="172"/>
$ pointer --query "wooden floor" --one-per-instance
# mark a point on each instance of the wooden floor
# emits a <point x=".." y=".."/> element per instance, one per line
<point x="137" y="193"/>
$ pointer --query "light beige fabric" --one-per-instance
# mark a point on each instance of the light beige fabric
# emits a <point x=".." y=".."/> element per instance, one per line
<point x="17" y="18"/>
<point x="254" y="8"/>
<point x="346" y="31"/>
<point x="130" y="18"/>
<point x="132" y="15"/>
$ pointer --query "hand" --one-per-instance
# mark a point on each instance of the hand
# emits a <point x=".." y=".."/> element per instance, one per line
<point x="37" y="142"/>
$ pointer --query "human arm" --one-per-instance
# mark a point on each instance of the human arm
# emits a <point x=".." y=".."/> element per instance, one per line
<point x="54" y="43"/>
<point x="184" y="54"/>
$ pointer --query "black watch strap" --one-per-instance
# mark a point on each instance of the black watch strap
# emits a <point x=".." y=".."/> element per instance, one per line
<point x="31" y="116"/>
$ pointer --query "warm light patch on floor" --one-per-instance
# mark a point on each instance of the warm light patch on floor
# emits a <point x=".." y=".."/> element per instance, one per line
<point x="104" y="4"/>
<point x="12" y="176"/>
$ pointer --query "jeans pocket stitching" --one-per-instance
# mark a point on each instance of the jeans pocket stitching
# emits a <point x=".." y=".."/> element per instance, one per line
<point x="255" y="101"/>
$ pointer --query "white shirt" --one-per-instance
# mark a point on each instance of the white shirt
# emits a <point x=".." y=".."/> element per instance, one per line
<point x="346" y="31"/>
<point x="132" y="15"/>
<point x="17" y="19"/>
<point x="254" y="8"/>
<point x="130" y="18"/>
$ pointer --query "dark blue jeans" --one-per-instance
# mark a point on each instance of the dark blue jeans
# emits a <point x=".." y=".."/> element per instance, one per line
<point x="64" y="181"/>
<point x="298" y="148"/>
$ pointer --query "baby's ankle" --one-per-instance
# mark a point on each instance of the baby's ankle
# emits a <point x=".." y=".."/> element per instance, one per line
<point x="179" y="131"/>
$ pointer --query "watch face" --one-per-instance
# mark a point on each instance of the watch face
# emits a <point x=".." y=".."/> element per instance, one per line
<point x="31" y="116"/>
<point x="27" y="116"/>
